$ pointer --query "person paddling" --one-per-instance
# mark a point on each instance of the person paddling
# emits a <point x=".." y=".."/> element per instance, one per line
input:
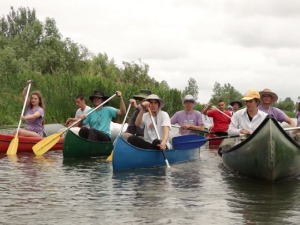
<point x="34" y="117"/>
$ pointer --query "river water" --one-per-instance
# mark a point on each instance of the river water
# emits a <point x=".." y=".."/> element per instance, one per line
<point x="51" y="190"/>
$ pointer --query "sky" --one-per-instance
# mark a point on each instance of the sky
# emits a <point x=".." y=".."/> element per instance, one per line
<point x="250" y="44"/>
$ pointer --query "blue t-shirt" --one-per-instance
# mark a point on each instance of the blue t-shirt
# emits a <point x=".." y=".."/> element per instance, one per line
<point x="100" y="119"/>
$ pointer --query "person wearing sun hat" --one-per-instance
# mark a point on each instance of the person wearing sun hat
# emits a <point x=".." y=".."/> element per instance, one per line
<point x="99" y="121"/>
<point x="132" y="129"/>
<point x="189" y="120"/>
<point x="236" y="105"/>
<point x="163" y="123"/>
<point x="267" y="99"/>
<point x="246" y="120"/>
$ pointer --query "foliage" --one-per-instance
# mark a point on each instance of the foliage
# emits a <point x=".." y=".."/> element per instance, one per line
<point x="227" y="93"/>
<point x="62" y="69"/>
<point x="287" y="104"/>
<point x="191" y="89"/>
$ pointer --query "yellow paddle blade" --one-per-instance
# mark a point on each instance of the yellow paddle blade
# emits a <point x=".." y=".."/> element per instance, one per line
<point x="46" y="144"/>
<point x="13" y="146"/>
<point x="109" y="158"/>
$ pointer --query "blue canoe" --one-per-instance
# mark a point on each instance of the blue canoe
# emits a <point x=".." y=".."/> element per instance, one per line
<point x="127" y="156"/>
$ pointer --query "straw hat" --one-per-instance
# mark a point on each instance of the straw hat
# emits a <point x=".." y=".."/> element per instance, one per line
<point x="251" y="94"/>
<point x="188" y="98"/>
<point x="155" y="97"/>
<point x="267" y="91"/>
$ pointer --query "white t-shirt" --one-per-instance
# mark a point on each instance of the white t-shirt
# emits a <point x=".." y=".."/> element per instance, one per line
<point x="80" y="112"/>
<point x="162" y="119"/>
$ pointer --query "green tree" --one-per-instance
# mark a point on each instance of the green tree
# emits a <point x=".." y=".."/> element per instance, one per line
<point x="287" y="104"/>
<point x="226" y="92"/>
<point x="191" y="89"/>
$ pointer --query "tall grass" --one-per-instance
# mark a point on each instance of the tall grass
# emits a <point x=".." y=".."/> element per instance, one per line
<point x="59" y="92"/>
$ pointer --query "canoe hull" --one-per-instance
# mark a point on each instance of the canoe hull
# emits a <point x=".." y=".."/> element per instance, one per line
<point x="269" y="154"/>
<point x="25" y="143"/>
<point x="77" y="147"/>
<point x="127" y="156"/>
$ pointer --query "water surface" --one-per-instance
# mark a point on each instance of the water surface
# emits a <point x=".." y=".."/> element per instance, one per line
<point x="51" y="190"/>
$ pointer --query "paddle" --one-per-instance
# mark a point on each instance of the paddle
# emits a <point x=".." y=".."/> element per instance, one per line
<point x="194" y="141"/>
<point x="157" y="134"/>
<point x="218" y="133"/>
<point x="47" y="143"/>
<point x="13" y="146"/>
<point x="177" y="126"/>
<point x="292" y="128"/>
<point x="109" y="158"/>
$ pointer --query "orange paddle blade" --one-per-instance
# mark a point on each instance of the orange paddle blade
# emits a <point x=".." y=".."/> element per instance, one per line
<point x="46" y="144"/>
<point x="13" y="146"/>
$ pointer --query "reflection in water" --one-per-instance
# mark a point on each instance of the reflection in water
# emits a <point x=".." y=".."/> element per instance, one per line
<point x="53" y="190"/>
<point x="262" y="202"/>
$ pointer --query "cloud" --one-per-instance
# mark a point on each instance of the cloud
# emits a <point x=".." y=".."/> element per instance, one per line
<point x="249" y="44"/>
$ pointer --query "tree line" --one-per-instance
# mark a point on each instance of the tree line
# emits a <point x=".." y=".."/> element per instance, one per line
<point x="62" y="69"/>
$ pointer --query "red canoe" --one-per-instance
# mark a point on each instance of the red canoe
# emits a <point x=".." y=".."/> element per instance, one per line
<point x="25" y="143"/>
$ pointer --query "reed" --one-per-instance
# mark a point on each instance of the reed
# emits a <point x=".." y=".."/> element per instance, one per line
<point x="59" y="92"/>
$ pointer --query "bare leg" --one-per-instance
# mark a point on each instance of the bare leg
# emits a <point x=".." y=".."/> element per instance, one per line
<point x="26" y="133"/>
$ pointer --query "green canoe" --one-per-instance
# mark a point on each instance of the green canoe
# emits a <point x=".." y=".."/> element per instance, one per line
<point x="269" y="154"/>
<point x="77" y="147"/>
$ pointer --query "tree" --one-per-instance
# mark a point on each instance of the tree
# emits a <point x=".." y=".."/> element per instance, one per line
<point x="227" y="93"/>
<point x="191" y="89"/>
<point x="286" y="105"/>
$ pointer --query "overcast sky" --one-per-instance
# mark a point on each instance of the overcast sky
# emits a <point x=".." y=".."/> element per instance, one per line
<point x="251" y="44"/>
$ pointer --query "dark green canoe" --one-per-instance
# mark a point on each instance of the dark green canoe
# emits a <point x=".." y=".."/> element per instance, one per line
<point x="77" y="147"/>
<point x="269" y="154"/>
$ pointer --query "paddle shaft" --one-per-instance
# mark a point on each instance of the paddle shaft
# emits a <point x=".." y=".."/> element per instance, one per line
<point x="292" y="128"/>
<point x="24" y="105"/>
<point x="158" y="136"/>
<point x="129" y="106"/>
<point x="45" y="144"/>
<point x="177" y="126"/>
<point x="13" y="146"/>
<point x="93" y="110"/>
<point x="221" y="112"/>
<point x="223" y="137"/>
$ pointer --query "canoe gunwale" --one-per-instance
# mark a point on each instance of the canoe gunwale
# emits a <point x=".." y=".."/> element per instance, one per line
<point x="268" y="154"/>
<point x="259" y="128"/>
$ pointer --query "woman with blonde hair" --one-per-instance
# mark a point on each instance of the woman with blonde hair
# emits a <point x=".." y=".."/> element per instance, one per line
<point x="34" y="117"/>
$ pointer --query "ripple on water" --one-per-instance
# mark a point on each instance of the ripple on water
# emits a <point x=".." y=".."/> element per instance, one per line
<point x="50" y="189"/>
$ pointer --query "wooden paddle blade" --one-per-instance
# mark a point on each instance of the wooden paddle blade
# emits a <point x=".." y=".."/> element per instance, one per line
<point x="13" y="146"/>
<point x="46" y="144"/>
<point x="110" y="157"/>
<point x="185" y="142"/>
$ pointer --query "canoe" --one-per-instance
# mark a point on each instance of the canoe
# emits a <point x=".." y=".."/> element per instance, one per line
<point x="25" y="143"/>
<point x="77" y="147"/>
<point x="214" y="143"/>
<point x="127" y="156"/>
<point x="269" y="153"/>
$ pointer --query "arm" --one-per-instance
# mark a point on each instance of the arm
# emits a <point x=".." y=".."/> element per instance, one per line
<point x="233" y="128"/>
<point x="204" y="110"/>
<point x="290" y="122"/>
<point x="31" y="117"/>
<point x="122" y="110"/>
<point x="145" y="106"/>
<point x="165" y="138"/>
<point x="193" y="127"/>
